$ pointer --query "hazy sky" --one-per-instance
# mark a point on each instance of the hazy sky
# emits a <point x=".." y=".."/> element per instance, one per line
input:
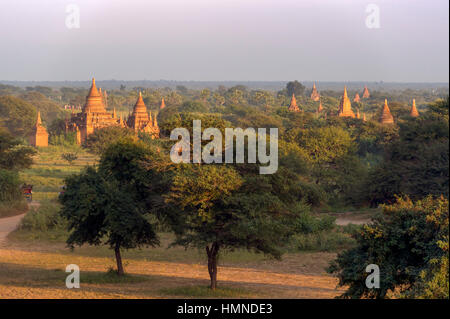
<point x="225" y="40"/>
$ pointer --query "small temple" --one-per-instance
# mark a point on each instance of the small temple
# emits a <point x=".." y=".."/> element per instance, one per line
<point x="163" y="104"/>
<point x="293" y="107"/>
<point x="320" y="107"/>
<point x="356" y="98"/>
<point x="414" y="112"/>
<point x="315" y="96"/>
<point x="345" y="106"/>
<point x="366" y="93"/>
<point x="94" y="116"/>
<point x="39" y="135"/>
<point x="141" y="120"/>
<point x="386" y="116"/>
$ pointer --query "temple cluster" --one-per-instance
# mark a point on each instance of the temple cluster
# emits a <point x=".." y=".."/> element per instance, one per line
<point x="94" y="115"/>
<point x="345" y="106"/>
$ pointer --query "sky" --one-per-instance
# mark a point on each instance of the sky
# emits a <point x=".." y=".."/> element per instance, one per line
<point x="219" y="40"/>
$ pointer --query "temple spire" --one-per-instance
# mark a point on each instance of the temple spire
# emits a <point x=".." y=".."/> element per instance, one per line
<point x="320" y="108"/>
<point x="345" y="106"/>
<point x="293" y="107"/>
<point x="163" y="104"/>
<point x="94" y="103"/>
<point x="414" y="112"/>
<point x="386" y="116"/>
<point x="315" y="96"/>
<point x="366" y="93"/>
<point x="39" y="121"/>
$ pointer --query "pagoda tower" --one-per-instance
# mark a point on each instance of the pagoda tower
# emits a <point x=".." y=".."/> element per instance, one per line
<point x="364" y="117"/>
<point x="358" y="116"/>
<point x="142" y="121"/>
<point x="356" y="98"/>
<point x="320" y="107"/>
<point x="414" y="112"/>
<point x="293" y="106"/>
<point x="94" y="100"/>
<point x="92" y="116"/>
<point x="386" y="116"/>
<point x="345" y="107"/>
<point x="315" y="96"/>
<point x="163" y="104"/>
<point x="39" y="135"/>
<point x="366" y="93"/>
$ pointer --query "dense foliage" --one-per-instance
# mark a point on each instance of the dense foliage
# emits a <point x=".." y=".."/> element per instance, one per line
<point x="409" y="243"/>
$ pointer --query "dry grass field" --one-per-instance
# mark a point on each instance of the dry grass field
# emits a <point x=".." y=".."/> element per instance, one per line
<point x="37" y="270"/>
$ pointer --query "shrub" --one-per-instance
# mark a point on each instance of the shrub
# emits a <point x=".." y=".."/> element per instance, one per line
<point x="405" y="241"/>
<point x="45" y="218"/>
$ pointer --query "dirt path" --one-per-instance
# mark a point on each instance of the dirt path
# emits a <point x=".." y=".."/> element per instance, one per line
<point x="8" y="224"/>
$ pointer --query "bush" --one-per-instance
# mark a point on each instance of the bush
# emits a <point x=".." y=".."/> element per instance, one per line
<point x="44" y="219"/>
<point x="406" y="241"/>
<point x="99" y="141"/>
<point x="9" y="186"/>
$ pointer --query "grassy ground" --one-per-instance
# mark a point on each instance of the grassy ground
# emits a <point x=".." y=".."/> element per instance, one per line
<point x="36" y="269"/>
<point x="49" y="170"/>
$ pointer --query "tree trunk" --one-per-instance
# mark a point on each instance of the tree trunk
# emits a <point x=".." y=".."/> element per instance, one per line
<point x="119" y="260"/>
<point x="212" y="253"/>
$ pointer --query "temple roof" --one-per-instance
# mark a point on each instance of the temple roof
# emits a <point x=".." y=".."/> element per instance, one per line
<point x="345" y="106"/>
<point x="414" y="112"/>
<point x="293" y="106"/>
<point x="315" y="96"/>
<point x="39" y="121"/>
<point x="386" y="116"/>
<point x="94" y="101"/>
<point x="366" y="93"/>
<point x="320" y="107"/>
<point x="140" y="107"/>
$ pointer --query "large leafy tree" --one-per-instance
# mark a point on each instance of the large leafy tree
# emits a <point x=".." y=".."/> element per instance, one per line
<point x="106" y="206"/>
<point x="405" y="241"/>
<point x="222" y="207"/>
<point x="13" y="157"/>
<point x="17" y="115"/>
<point x="295" y="87"/>
<point x="99" y="141"/>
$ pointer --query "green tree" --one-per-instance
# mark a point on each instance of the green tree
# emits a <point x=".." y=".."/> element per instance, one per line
<point x="105" y="205"/>
<point x="295" y="87"/>
<point x="69" y="157"/>
<point x="402" y="241"/>
<point x="225" y="208"/>
<point x="17" y="115"/>
<point x="98" y="141"/>
<point x="416" y="164"/>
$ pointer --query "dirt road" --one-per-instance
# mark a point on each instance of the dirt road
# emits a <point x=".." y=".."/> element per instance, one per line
<point x="7" y="225"/>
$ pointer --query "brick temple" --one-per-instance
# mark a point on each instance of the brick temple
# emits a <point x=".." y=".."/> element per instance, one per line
<point x="95" y="116"/>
